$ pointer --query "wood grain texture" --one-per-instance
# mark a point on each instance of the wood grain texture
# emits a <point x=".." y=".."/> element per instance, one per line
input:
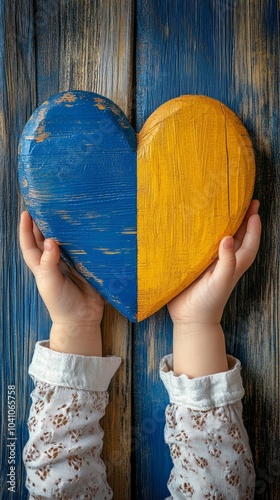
<point x="228" y="51"/>
<point x="47" y="47"/>
<point x="17" y="98"/>
<point x="113" y="208"/>
<point x="77" y="173"/>
<point x="195" y="180"/>
<point x="255" y="335"/>
<point x="88" y="45"/>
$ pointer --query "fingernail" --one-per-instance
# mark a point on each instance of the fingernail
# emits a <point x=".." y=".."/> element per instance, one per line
<point x="48" y="246"/>
<point x="228" y="243"/>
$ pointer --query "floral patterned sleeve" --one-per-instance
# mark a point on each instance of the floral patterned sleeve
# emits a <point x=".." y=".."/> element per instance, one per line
<point x="206" y="436"/>
<point x="62" y="455"/>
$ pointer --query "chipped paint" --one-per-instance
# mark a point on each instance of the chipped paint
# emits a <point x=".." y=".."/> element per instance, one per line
<point x="43" y="225"/>
<point x="64" y="215"/>
<point x="107" y="251"/>
<point x="88" y="274"/>
<point x="37" y="121"/>
<point x="115" y="110"/>
<point x="38" y="195"/>
<point x="100" y="103"/>
<point x="77" y="252"/>
<point x="42" y="136"/>
<point x="67" y="193"/>
<point x="129" y="231"/>
<point x="92" y="215"/>
<point x="103" y="104"/>
<point x="66" y="97"/>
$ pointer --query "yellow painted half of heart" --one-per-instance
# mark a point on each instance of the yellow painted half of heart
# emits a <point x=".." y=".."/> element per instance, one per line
<point x="195" y="174"/>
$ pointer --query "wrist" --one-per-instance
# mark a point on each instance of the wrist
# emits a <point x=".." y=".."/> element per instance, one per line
<point x="192" y="327"/>
<point x="199" y="349"/>
<point x="82" y="338"/>
<point x="202" y="316"/>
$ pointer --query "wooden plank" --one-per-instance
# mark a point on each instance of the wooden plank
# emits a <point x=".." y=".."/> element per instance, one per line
<point x="76" y="52"/>
<point x="226" y="50"/>
<point x="19" y="300"/>
<point x="254" y="336"/>
<point x="73" y="50"/>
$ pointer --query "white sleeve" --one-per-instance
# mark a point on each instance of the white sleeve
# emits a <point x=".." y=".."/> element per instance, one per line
<point x="62" y="455"/>
<point x="207" y="439"/>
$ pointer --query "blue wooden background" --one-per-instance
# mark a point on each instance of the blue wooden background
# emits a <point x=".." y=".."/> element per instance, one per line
<point x="141" y="54"/>
<point x="228" y="50"/>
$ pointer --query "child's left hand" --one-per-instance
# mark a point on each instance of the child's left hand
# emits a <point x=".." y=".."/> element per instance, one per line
<point x="76" y="309"/>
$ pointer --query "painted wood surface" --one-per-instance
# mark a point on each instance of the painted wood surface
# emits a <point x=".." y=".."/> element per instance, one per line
<point x="18" y="297"/>
<point x="88" y="45"/>
<point x="113" y="205"/>
<point x="230" y="51"/>
<point x="195" y="180"/>
<point x="227" y="50"/>
<point x="78" y="176"/>
<point x="48" y="47"/>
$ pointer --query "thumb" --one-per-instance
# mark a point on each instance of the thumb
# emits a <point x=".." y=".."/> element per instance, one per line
<point x="226" y="265"/>
<point x="49" y="270"/>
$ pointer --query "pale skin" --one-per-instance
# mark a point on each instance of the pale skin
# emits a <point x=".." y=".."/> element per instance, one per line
<point x="76" y="309"/>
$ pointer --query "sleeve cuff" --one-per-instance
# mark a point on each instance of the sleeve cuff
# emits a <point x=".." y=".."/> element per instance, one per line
<point x="203" y="393"/>
<point x="89" y="373"/>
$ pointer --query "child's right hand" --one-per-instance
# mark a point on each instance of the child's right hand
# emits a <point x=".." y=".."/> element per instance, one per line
<point x="76" y="309"/>
<point x="198" y="339"/>
<point x="204" y="300"/>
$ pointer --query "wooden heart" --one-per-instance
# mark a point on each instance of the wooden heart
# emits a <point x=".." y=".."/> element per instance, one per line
<point x="139" y="222"/>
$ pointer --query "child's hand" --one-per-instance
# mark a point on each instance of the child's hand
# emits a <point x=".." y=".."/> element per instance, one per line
<point x="76" y="309"/>
<point x="198" y="339"/>
<point x="204" y="300"/>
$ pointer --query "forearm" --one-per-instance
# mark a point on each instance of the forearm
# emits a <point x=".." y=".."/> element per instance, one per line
<point x="199" y="349"/>
<point x="77" y="338"/>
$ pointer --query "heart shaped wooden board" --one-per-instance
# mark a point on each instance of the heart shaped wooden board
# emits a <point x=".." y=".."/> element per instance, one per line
<point x="139" y="222"/>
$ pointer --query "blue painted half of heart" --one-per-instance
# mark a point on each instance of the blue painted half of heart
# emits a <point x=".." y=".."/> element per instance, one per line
<point x="78" y="175"/>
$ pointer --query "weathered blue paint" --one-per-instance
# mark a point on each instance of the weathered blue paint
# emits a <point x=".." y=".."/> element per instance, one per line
<point x="77" y="172"/>
<point x="19" y="299"/>
<point x="228" y="50"/>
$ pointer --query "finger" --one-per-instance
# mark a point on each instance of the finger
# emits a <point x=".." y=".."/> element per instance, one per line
<point x="226" y="264"/>
<point x="30" y="251"/>
<point x="38" y="237"/>
<point x="49" y="265"/>
<point x="238" y="237"/>
<point x="247" y="252"/>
